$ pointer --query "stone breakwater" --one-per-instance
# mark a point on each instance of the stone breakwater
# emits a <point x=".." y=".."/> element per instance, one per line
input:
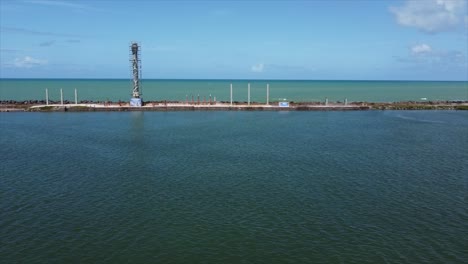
<point x="40" y="106"/>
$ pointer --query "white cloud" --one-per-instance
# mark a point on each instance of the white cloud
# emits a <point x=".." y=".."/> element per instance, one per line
<point x="421" y="49"/>
<point x="69" y="4"/>
<point x="10" y="50"/>
<point x="28" y="62"/>
<point x="33" y="32"/>
<point x="423" y="54"/>
<point x="56" y="3"/>
<point x="258" y="67"/>
<point x="431" y="16"/>
<point x="47" y="43"/>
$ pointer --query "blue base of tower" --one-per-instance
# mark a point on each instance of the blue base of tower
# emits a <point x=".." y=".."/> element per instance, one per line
<point x="136" y="102"/>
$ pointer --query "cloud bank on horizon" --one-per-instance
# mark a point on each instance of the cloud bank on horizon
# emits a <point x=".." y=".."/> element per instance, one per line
<point x="392" y="40"/>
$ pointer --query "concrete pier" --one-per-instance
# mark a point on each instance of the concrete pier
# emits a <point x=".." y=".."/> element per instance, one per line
<point x="57" y="106"/>
<point x="196" y="107"/>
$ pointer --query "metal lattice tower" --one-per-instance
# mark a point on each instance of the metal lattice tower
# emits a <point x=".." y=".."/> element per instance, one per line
<point x="136" y="68"/>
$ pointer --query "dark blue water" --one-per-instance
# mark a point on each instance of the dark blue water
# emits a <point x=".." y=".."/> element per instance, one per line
<point x="234" y="187"/>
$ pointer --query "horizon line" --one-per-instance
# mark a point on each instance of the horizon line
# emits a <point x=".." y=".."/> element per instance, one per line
<point x="233" y="79"/>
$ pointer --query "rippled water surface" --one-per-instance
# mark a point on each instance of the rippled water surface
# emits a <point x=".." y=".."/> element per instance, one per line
<point x="234" y="187"/>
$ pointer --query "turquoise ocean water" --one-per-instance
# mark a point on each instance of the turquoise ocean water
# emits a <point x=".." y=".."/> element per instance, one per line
<point x="178" y="90"/>
<point x="234" y="187"/>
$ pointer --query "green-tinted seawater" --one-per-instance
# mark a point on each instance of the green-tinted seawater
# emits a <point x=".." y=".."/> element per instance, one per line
<point x="234" y="187"/>
<point x="179" y="90"/>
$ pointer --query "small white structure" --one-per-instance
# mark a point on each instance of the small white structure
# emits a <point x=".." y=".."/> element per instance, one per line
<point x="268" y="94"/>
<point x="248" y="94"/>
<point x="231" y="94"/>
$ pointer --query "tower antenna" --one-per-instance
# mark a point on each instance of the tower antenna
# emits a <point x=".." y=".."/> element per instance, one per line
<point x="135" y="62"/>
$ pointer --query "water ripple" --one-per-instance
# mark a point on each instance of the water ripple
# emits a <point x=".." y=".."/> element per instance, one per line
<point x="232" y="187"/>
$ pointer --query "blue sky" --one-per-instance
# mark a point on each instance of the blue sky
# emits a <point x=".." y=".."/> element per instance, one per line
<point x="335" y="40"/>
